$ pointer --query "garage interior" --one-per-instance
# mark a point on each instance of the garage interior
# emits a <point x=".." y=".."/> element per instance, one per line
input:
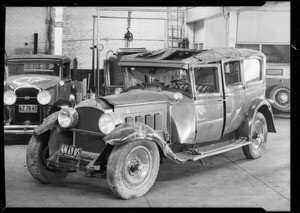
<point x="90" y="35"/>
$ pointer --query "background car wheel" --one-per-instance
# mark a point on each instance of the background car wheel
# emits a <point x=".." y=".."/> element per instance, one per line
<point x="36" y="155"/>
<point x="132" y="168"/>
<point x="259" y="135"/>
<point x="281" y="96"/>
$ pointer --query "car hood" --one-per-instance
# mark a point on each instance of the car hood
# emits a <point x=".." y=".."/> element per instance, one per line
<point x="134" y="97"/>
<point x="42" y="82"/>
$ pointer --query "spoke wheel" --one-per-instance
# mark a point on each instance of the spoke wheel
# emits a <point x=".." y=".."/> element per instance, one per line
<point x="281" y="97"/>
<point x="258" y="136"/>
<point x="132" y="168"/>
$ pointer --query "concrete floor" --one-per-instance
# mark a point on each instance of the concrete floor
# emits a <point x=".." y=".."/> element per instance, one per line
<point x="226" y="180"/>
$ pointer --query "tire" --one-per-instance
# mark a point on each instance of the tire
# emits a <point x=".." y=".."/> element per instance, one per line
<point x="259" y="135"/>
<point x="132" y="168"/>
<point x="36" y="155"/>
<point x="281" y="96"/>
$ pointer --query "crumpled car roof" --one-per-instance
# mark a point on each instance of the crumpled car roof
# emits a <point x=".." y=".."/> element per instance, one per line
<point x="186" y="56"/>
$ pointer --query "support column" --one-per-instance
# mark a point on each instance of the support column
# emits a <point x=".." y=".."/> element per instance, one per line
<point x="58" y="31"/>
<point x="231" y="31"/>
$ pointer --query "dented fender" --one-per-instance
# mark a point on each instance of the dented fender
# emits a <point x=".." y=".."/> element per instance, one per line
<point x="48" y="124"/>
<point x="132" y="131"/>
<point x="257" y="105"/>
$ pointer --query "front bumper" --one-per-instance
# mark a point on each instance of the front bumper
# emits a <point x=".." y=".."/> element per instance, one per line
<point x="19" y="129"/>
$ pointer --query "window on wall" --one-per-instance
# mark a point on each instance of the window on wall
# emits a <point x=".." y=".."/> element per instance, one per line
<point x="232" y="71"/>
<point x="248" y="46"/>
<point x="252" y="70"/>
<point x="276" y="53"/>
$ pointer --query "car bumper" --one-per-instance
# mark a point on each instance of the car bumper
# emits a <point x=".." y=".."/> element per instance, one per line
<point x="19" y="129"/>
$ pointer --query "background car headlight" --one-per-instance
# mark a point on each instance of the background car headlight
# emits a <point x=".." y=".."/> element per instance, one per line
<point x="44" y="97"/>
<point x="9" y="97"/>
<point x="68" y="117"/>
<point x="106" y="123"/>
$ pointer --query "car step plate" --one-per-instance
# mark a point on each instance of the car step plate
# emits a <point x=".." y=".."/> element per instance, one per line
<point x="199" y="153"/>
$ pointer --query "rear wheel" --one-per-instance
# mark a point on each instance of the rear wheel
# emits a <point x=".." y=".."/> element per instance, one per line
<point x="132" y="168"/>
<point x="36" y="156"/>
<point x="259" y="133"/>
<point x="281" y="96"/>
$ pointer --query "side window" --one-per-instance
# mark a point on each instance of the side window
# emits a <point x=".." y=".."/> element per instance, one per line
<point x="252" y="70"/>
<point x="66" y="70"/>
<point x="206" y="80"/>
<point x="232" y="71"/>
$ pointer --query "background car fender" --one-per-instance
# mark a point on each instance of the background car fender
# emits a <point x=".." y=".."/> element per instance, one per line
<point x="257" y="105"/>
<point x="132" y="131"/>
<point x="60" y="103"/>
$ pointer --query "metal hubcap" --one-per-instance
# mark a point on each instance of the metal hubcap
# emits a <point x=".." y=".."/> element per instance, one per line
<point x="257" y="135"/>
<point x="282" y="97"/>
<point x="137" y="167"/>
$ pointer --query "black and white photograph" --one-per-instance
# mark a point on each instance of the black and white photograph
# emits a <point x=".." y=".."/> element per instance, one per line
<point x="148" y="106"/>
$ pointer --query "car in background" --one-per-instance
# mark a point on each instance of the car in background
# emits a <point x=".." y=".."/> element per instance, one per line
<point x="34" y="87"/>
<point x="179" y="104"/>
<point x="278" y="86"/>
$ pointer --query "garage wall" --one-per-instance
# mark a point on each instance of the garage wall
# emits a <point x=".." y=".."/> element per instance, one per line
<point x="264" y="27"/>
<point x="78" y="32"/>
<point x="211" y="32"/>
<point x="20" y="27"/>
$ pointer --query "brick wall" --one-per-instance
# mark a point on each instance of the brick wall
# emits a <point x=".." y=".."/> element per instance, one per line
<point x="21" y="24"/>
<point x="78" y="32"/>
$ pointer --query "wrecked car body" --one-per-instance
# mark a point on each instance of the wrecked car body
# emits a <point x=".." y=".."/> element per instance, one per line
<point x="184" y="105"/>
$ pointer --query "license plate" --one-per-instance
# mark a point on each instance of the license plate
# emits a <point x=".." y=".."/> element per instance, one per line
<point x="70" y="151"/>
<point x="28" y="108"/>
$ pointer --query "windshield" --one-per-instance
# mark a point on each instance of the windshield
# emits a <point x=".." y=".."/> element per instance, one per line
<point x="153" y="77"/>
<point x="21" y="69"/>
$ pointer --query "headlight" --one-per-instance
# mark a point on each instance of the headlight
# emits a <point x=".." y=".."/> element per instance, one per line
<point x="44" y="97"/>
<point x="106" y="123"/>
<point x="9" y="97"/>
<point x="68" y="117"/>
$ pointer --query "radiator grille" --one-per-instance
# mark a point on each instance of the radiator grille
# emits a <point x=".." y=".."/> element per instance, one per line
<point x="27" y="96"/>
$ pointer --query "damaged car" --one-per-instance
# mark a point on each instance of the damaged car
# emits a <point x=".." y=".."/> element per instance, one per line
<point x="184" y="105"/>
<point x="34" y="87"/>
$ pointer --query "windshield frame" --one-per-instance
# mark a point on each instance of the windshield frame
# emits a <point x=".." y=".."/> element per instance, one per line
<point x="40" y="72"/>
<point x="128" y="77"/>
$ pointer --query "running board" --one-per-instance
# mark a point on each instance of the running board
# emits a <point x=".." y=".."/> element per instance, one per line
<point x="198" y="153"/>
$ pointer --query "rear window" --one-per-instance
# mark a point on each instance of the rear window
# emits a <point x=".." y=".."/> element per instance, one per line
<point x="252" y="70"/>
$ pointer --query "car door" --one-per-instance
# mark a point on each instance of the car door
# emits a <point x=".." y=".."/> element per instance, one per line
<point x="209" y="102"/>
<point x="234" y="89"/>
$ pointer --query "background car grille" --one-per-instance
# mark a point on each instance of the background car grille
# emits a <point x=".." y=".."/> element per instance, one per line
<point x="27" y="96"/>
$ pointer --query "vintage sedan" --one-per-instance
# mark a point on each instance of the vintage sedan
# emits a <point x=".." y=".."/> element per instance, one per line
<point x="184" y="105"/>
<point x="34" y="87"/>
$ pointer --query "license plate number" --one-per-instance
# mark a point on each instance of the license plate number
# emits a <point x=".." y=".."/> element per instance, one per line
<point x="70" y="151"/>
<point x="28" y="108"/>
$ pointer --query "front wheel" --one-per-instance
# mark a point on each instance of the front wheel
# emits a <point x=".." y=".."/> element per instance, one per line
<point x="259" y="133"/>
<point x="132" y="168"/>
<point x="36" y="156"/>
